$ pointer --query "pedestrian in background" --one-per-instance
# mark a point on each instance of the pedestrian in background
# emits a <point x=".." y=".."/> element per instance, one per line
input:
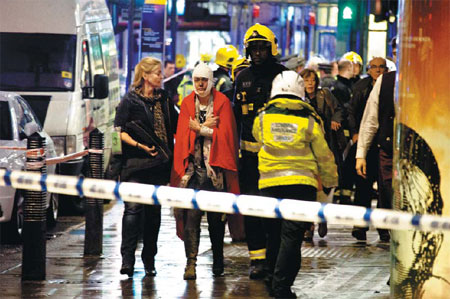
<point x="170" y="85"/>
<point x="147" y="121"/>
<point x="342" y="90"/>
<point x="326" y="78"/>
<point x="331" y="113"/>
<point x="364" y="185"/>
<point x="205" y="158"/>
<point x="293" y="154"/>
<point x="377" y="125"/>
<point x="296" y="64"/>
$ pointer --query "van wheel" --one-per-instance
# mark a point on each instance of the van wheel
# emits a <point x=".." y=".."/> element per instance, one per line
<point x="11" y="231"/>
<point x="52" y="210"/>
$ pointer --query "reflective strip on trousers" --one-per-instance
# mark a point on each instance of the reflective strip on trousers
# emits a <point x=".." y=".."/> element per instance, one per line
<point x="259" y="254"/>
<point x="250" y="146"/>
<point x="284" y="173"/>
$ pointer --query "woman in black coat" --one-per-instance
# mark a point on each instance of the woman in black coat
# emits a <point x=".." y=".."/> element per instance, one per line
<point x="148" y="122"/>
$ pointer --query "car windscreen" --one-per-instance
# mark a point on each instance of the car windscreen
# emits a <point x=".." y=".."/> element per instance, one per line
<point x="5" y="122"/>
<point x="37" y="62"/>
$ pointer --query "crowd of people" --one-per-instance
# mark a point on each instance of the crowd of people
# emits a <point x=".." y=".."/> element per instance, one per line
<point x="258" y="127"/>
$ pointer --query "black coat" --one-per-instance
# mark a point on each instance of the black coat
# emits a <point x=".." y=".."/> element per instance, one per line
<point x="135" y="116"/>
<point x="252" y="92"/>
<point x="355" y="110"/>
<point x="342" y="90"/>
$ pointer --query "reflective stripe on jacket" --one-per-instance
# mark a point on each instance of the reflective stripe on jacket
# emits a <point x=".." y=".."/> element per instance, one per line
<point x="293" y="149"/>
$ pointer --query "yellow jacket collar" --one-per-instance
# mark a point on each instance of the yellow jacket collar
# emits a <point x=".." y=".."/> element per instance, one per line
<point x="291" y="104"/>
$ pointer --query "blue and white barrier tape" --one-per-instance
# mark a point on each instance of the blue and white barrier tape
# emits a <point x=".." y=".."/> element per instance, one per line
<point x="224" y="202"/>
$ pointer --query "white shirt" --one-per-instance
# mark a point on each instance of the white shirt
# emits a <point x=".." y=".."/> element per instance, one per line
<point x="369" y="122"/>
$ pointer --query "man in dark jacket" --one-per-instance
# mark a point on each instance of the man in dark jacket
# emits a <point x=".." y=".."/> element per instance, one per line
<point x="377" y="126"/>
<point x="342" y="90"/>
<point x="253" y="86"/>
<point x="361" y="91"/>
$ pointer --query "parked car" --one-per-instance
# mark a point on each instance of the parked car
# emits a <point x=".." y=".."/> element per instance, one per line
<point x="17" y="122"/>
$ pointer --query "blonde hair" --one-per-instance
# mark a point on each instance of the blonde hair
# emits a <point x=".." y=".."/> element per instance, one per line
<point x="146" y="65"/>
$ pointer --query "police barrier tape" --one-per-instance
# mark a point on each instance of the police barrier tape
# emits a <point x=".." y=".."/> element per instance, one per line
<point x="39" y="152"/>
<point x="223" y="202"/>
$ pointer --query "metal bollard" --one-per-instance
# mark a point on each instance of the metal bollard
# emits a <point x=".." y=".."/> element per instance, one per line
<point x="93" y="241"/>
<point x="34" y="215"/>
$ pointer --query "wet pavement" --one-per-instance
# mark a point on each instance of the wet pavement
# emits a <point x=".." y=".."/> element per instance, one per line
<point x="333" y="267"/>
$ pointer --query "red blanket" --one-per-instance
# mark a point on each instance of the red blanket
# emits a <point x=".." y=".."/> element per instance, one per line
<point x="224" y="147"/>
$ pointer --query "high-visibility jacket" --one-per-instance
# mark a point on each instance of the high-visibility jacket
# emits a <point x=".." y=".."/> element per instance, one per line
<point x="293" y="149"/>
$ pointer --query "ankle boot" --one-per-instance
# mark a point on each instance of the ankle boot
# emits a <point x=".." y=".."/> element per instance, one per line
<point x="189" y="271"/>
<point x="191" y="243"/>
<point x="257" y="270"/>
<point x="149" y="267"/>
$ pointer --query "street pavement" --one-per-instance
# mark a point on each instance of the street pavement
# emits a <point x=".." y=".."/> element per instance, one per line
<point x="332" y="267"/>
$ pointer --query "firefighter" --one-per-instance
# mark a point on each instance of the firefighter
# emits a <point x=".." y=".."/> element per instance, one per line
<point x="239" y="64"/>
<point x="252" y="91"/>
<point x="357" y="63"/>
<point x="225" y="58"/>
<point x="293" y="155"/>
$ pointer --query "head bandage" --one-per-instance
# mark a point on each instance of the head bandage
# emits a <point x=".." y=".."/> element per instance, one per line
<point x="202" y="70"/>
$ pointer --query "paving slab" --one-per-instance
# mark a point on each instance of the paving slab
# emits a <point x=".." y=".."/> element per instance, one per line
<point x="333" y="267"/>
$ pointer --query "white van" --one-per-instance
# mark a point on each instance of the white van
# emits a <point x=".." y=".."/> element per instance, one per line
<point x="61" y="57"/>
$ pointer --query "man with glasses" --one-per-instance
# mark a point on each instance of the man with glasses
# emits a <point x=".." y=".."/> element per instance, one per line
<point x="364" y="190"/>
<point x="252" y="91"/>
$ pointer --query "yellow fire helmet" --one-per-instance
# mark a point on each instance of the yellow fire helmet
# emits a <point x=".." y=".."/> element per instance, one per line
<point x="353" y="57"/>
<point x="260" y="32"/>
<point x="180" y="61"/>
<point x="206" y="57"/>
<point x="238" y="64"/>
<point x="225" y="56"/>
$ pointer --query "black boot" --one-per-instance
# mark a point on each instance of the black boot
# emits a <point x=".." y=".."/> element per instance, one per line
<point x="127" y="269"/>
<point x="216" y="228"/>
<point x="257" y="269"/>
<point x="359" y="234"/>
<point x="149" y="267"/>
<point x="384" y="235"/>
<point x="217" y="266"/>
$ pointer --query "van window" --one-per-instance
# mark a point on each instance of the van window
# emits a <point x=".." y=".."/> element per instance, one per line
<point x="96" y="54"/>
<point x="25" y="115"/>
<point x="86" y="76"/>
<point x="37" y="62"/>
<point x="110" y="55"/>
<point x="5" y="122"/>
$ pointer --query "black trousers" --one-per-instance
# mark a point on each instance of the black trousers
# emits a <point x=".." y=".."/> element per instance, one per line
<point x="385" y="180"/>
<point x="364" y="186"/>
<point x="248" y="183"/>
<point x="285" y="238"/>
<point x="138" y="217"/>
